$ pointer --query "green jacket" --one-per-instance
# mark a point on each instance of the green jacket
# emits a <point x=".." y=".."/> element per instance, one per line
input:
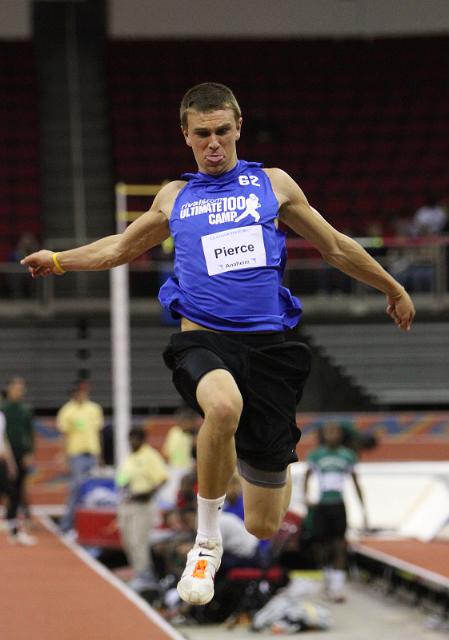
<point x="19" y="427"/>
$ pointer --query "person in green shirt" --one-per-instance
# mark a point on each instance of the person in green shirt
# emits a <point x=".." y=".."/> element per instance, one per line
<point x="332" y="463"/>
<point x="20" y="436"/>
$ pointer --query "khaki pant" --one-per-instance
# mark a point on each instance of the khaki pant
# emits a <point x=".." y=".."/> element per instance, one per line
<point x="135" y="520"/>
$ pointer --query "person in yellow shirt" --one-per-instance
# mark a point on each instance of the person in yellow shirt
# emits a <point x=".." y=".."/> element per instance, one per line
<point x="179" y="441"/>
<point x="80" y="420"/>
<point x="139" y="477"/>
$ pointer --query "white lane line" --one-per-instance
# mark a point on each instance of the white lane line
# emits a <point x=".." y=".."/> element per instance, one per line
<point x="141" y="604"/>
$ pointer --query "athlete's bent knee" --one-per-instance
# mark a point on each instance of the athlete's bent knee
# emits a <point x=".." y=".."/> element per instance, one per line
<point x="262" y="528"/>
<point x="225" y="413"/>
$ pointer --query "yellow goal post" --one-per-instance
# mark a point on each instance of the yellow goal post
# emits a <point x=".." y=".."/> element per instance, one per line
<point x="120" y="320"/>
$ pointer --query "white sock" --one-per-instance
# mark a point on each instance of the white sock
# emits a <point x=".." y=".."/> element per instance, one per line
<point x="338" y="579"/>
<point x="208" y="516"/>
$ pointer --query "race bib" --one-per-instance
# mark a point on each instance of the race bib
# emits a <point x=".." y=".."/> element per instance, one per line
<point x="234" y="249"/>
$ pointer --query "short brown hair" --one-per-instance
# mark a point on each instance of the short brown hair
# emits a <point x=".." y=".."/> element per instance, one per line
<point x="208" y="96"/>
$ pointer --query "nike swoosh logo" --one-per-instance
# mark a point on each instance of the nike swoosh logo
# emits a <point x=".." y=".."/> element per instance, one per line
<point x="205" y="555"/>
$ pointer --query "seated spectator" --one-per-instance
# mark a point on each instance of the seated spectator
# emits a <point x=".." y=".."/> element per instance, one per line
<point x="234" y="498"/>
<point x="188" y="488"/>
<point x="240" y="548"/>
<point x="429" y="219"/>
<point x="413" y="266"/>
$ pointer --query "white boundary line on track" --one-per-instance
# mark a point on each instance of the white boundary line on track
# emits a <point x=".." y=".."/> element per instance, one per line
<point x="96" y="566"/>
<point x="403" y="565"/>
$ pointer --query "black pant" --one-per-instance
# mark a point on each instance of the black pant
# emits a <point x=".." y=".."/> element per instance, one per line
<point x="17" y="487"/>
<point x="5" y="482"/>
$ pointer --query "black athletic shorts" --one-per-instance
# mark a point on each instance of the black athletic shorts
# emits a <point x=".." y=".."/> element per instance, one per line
<point x="329" y="521"/>
<point x="270" y="374"/>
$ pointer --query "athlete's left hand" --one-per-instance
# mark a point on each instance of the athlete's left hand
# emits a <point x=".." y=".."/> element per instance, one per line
<point x="401" y="309"/>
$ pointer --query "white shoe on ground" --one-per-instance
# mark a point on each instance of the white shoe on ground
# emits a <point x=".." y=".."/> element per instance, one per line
<point x="23" y="538"/>
<point x="71" y="535"/>
<point x="196" y="585"/>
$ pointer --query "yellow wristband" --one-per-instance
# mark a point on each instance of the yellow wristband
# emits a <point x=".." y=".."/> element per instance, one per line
<point x="59" y="269"/>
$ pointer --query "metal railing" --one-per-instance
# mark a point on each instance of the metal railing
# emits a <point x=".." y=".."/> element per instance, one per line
<point x="421" y="264"/>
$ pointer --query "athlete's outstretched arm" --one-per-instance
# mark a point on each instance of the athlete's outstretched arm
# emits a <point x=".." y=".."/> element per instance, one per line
<point x="337" y="249"/>
<point x="145" y="232"/>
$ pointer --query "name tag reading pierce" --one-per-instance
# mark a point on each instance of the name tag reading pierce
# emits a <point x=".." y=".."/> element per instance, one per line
<point x="234" y="249"/>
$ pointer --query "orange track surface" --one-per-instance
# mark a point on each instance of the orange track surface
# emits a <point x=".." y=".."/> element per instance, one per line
<point x="432" y="556"/>
<point x="48" y="593"/>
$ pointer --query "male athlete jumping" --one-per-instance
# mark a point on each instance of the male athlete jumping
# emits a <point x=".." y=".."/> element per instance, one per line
<point x="231" y="360"/>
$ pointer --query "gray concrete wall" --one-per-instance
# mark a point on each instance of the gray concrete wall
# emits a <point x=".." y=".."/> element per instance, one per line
<point x="282" y="18"/>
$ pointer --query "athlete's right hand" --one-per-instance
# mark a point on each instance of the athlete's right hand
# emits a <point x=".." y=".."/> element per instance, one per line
<point x="40" y="264"/>
<point x="401" y="310"/>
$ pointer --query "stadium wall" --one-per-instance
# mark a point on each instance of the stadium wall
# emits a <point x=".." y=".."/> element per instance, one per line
<point x="252" y="18"/>
<point x="15" y="19"/>
<point x="285" y="18"/>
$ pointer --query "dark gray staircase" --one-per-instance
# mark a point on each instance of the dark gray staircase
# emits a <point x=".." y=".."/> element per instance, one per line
<point x="52" y="354"/>
<point x="394" y="368"/>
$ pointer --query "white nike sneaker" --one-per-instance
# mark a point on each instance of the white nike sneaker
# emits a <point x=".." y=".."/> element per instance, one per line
<point x="196" y="585"/>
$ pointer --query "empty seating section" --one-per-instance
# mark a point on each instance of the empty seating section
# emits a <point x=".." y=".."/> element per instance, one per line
<point x="393" y="368"/>
<point x="50" y="356"/>
<point x="19" y="162"/>
<point x="362" y="125"/>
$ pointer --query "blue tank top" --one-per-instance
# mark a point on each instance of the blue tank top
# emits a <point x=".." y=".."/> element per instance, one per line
<point x="229" y="255"/>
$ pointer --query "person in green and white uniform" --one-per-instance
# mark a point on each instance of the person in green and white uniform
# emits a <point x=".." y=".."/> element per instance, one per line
<point x="332" y="463"/>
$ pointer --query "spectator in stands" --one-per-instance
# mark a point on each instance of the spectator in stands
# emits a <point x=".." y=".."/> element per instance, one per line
<point x="18" y="285"/>
<point x="429" y="219"/>
<point x="445" y="207"/>
<point x="445" y="231"/>
<point x="80" y="420"/>
<point x="20" y="435"/>
<point x="139" y="477"/>
<point x="414" y="266"/>
<point x="412" y="262"/>
<point x="332" y="463"/>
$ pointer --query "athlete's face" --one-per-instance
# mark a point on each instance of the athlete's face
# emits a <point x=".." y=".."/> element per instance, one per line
<point x="212" y="137"/>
